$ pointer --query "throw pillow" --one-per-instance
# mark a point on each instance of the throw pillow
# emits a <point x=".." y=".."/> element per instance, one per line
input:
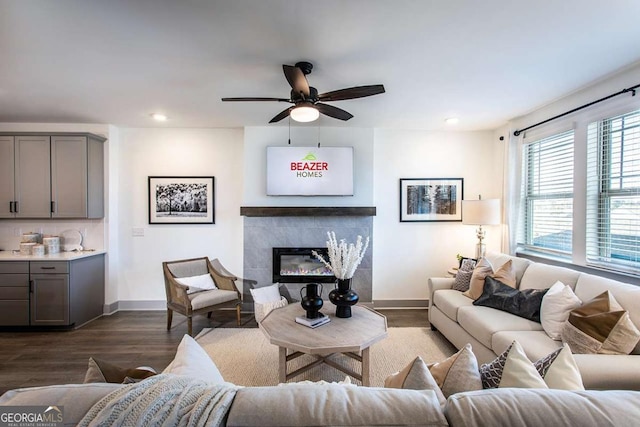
<point x="266" y="293"/>
<point x="506" y="274"/>
<point x="462" y="280"/>
<point x="512" y="368"/>
<point x="199" y="283"/>
<point x="554" y="310"/>
<point x="457" y="373"/>
<point x="415" y="376"/>
<point x="192" y="360"/>
<point x="100" y="371"/>
<point x="559" y="370"/>
<point x="467" y="264"/>
<point x="600" y="326"/>
<point x="526" y="304"/>
<point x="261" y="310"/>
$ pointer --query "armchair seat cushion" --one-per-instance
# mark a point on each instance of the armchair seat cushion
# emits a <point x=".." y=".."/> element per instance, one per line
<point x="209" y="298"/>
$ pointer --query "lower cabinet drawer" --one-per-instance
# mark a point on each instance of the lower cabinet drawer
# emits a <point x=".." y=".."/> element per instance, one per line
<point x="14" y="292"/>
<point x="14" y="313"/>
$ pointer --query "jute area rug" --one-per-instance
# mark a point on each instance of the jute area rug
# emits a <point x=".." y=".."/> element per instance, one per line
<point x="245" y="356"/>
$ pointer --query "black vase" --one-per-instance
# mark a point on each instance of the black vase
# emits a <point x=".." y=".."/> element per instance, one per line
<point x="343" y="297"/>
<point x="312" y="302"/>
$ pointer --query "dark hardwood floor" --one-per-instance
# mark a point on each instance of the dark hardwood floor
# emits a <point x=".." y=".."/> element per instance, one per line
<point x="127" y="338"/>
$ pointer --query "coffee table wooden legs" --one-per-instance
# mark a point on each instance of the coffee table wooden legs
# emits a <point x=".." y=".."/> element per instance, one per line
<point x="364" y="360"/>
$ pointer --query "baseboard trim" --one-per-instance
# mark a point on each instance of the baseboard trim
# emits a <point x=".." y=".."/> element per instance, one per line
<point x="134" y="306"/>
<point x="401" y="303"/>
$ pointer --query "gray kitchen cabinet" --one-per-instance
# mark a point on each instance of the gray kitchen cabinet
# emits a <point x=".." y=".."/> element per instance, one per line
<point x="55" y="175"/>
<point x="51" y="293"/>
<point x="14" y="293"/>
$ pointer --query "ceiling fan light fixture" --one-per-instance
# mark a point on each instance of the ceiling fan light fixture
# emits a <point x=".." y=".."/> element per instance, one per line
<point x="304" y="113"/>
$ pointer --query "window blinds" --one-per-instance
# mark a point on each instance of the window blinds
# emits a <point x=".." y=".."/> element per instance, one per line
<point x="613" y="193"/>
<point x="547" y="195"/>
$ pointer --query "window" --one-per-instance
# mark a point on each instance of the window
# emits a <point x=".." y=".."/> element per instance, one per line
<point x="547" y="195"/>
<point x="613" y="193"/>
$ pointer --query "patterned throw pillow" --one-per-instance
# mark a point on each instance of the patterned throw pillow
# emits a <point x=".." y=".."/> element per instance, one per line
<point x="512" y="368"/>
<point x="462" y="280"/>
<point x="600" y="326"/>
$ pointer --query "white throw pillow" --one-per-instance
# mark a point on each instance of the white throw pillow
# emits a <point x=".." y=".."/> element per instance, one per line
<point x="192" y="360"/>
<point x="560" y="370"/>
<point x="261" y="310"/>
<point x="519" y="371"/>
<point x="203" y="282"/>
<point x="554" y="310"/>
<point x="266" y="294"/>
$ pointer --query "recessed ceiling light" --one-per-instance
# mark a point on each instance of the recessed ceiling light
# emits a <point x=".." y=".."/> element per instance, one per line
<point x="452" y="120"/>
<point x="159" y="117"/>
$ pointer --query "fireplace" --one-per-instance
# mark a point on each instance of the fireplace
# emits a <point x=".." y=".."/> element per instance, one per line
<point x="298" y="265"/>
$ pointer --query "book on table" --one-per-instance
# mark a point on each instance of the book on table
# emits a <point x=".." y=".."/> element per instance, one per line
<point x="313" y="323"/>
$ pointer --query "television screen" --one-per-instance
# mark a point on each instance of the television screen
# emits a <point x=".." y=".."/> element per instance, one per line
<point x="308" y="171"/>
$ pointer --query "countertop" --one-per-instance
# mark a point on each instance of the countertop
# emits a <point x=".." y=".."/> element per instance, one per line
<point x="61" y="256"/>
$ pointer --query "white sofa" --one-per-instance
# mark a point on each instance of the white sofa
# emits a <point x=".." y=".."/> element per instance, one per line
<point x="491" y="331"/>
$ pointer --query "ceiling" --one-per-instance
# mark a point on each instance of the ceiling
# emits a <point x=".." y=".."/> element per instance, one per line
<point x="118" y="61"/>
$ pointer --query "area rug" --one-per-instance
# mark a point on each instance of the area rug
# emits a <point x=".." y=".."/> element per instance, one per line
<point x="245" y="356"/>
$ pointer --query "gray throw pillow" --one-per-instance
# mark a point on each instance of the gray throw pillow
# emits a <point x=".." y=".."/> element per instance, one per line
<point x="463" y="278"/>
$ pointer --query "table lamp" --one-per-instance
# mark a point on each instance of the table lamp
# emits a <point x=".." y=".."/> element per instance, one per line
<point x="481" y="212"/>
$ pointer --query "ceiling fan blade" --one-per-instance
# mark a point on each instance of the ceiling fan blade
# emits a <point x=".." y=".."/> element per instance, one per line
<point x="281" y="115"/>
<point x="351" y="93"/>
<point x="296" y="79"/>
<point x="331" y="111"/>
<point x="257" y="99"/>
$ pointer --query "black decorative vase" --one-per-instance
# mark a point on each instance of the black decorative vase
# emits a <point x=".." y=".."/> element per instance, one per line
<point x="343" y="297"/>
<point x="312" y="301"/>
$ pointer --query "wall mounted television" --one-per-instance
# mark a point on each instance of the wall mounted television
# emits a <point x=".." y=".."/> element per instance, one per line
<point x="310" y="171"/>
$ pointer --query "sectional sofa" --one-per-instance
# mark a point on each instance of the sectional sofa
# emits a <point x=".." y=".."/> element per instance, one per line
<point x="491" y="331"/>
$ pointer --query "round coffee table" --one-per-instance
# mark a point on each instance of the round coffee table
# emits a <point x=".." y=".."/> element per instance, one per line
<point x="352" y="337"/>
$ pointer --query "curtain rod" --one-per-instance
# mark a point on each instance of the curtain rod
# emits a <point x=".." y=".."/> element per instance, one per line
<point x="631" y="89"/>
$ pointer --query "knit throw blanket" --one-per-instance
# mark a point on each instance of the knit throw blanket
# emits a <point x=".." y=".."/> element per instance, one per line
<point x="164" y="400"/>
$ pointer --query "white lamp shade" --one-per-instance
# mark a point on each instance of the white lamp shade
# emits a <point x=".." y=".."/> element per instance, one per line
<point x="481" y="212"/>
<point x="304" y="113"/>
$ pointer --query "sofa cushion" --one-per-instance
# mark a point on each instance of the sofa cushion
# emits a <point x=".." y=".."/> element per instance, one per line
<point x="415" y="376"/>
<point x="600" y="326"/>
<point x="457" y="373"/>
<point x="449" y="301"/>
<point x="524" y="304"/>
<point x="609" y="371"/>
<point x="543" y="276"/>
<point x="543" y="408"/>
<point x="505" y="273"/>
<point x="536" y="344"/>
<point x="334" y="405"/>
<point x="77" y="399"/>
<point x="483" y="322"/>
<point x="554" y="310"/>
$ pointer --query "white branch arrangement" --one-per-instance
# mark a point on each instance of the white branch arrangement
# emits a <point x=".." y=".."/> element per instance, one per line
<point x="343" y="258"/>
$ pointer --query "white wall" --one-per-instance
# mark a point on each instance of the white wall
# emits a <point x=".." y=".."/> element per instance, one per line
<point x="142" y="153"/>
<point x="406" y="254"/>
<point x="256" y="140"/>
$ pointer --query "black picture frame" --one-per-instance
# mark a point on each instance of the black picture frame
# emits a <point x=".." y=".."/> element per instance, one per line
<point x="181" y="199"/>
<point x="431" y="199"/>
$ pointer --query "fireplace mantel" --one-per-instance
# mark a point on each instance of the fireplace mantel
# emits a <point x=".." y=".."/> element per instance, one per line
<point x="265" y="211"/>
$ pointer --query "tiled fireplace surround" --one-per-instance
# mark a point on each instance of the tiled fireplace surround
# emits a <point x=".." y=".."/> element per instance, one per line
<point x="266" y="228"/>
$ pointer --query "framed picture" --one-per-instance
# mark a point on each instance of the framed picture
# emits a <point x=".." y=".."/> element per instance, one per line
<point x="430" y="199"/>
<point x="181" y="200"/>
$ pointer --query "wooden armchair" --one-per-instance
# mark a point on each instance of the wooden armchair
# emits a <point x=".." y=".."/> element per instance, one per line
<point x="188" y="304"/>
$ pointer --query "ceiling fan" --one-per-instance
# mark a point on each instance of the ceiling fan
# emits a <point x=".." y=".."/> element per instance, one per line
<point x="308" y="104"/>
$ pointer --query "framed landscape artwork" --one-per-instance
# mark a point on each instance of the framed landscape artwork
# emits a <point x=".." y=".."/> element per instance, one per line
<point x="430" y="199"/>
<point x="181" y="200"/>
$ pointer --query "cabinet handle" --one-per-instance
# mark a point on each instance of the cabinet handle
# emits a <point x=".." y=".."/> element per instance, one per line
<point x="53" y="207"/>
<point x="47" y="268"/>
<point x="10" y="207"/>
<point x="31" y="285"/>
<point x="15" y="207"/>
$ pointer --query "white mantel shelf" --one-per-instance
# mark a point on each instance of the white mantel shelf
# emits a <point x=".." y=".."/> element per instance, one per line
<point x="266" y="211"/>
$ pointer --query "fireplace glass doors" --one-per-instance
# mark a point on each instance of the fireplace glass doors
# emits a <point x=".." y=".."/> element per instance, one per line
<point x="298" y="265"/>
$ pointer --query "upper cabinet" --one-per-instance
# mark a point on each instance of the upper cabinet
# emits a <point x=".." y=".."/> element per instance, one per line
<point x="51" y="175"/>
